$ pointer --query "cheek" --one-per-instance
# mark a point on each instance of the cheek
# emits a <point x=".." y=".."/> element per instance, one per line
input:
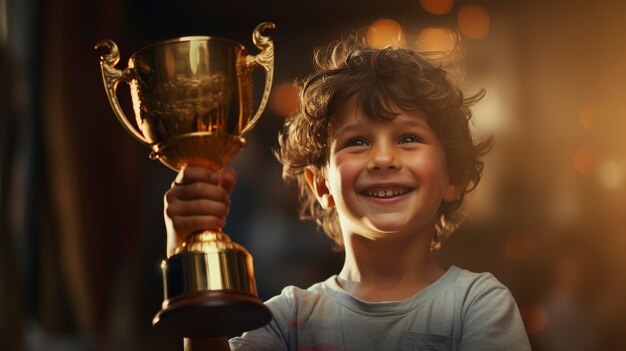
<point x="342" y="173"/>
<point x="341" y="169"/>
<point x="429" y="168"/>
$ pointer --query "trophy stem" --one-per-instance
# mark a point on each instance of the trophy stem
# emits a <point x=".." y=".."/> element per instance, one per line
<point x="210" y="240"/>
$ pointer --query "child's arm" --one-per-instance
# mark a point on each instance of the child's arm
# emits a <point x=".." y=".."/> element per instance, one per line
<point x="198" y="199"/>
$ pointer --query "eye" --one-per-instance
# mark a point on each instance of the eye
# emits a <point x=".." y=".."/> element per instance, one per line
<point x="356" y="142"/>
<point x="409" y="138"/>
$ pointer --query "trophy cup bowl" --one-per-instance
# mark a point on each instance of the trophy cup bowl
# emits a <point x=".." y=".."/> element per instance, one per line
<point x="192" y="98"/>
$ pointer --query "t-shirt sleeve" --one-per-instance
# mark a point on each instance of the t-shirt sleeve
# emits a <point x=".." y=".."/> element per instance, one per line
<point x="491" y="319"/>
<point x="274" y="335"/>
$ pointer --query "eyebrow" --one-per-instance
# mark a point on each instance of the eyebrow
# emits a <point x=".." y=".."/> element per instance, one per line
<point x="409" y="122"/>
<point x="415" y="122"/>
<point x="348" y="128"/>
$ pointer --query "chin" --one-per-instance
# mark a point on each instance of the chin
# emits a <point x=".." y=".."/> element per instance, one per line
<point x="387" y="228"/>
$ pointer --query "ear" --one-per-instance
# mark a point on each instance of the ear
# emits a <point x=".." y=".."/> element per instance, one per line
<point x="318" y="185"/>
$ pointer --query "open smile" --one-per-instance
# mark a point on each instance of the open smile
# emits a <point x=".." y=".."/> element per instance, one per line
<point x="386" y="193"/>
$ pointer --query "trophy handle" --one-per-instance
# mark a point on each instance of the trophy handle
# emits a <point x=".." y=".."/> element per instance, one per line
<point x="264" y="59"/>
<point x="111" y="76"/>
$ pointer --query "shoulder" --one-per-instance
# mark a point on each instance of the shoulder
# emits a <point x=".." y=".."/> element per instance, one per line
<point x="474" y="284"/>
<point x="288" y="310"/>
<point x="468" y="292"/>
<point x="472" y="280"/>
<point x="293" y="297"/>
<point x="488" y="313"/>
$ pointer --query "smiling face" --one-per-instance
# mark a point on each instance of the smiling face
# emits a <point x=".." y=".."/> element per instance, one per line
<point x="384" y="178"/>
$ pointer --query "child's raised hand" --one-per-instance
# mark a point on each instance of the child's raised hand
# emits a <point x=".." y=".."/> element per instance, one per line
<point x="198" y="199"/>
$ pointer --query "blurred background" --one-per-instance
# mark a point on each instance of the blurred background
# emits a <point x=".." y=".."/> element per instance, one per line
<point x="81" y="228"/>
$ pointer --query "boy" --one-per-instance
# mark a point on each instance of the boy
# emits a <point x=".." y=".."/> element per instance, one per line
<point x="383" y="156"/>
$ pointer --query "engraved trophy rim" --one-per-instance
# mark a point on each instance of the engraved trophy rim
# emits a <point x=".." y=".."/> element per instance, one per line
<point x="187" y="38"/>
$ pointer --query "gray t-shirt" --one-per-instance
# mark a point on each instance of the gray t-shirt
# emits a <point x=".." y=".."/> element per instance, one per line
<point x="460" y="311"/>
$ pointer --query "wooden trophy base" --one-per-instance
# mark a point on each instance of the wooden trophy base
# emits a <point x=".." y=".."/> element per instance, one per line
<point x="210" y="290"/>
<point x="211" y="314"/>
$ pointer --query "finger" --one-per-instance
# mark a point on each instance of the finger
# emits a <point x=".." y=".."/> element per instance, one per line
<point x="180" y="228"/>
<point x="192" y="174"/>
<point x="184" y="226"/>
<point x="228" y="176"/>
<point x="197" y="190"/>
<point x="201" y="207"/>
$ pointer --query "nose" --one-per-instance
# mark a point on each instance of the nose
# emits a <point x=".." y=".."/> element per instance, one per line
<point x="383" y="158"/>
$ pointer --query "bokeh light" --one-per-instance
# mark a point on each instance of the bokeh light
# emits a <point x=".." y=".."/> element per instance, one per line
<point x="585" y="160"/>
<point x="435" y="40"/>
<point x="385" y="32"/>
<point x="610" y="174"/>
<point x="535" y="317"/>
<point x="473" y="21"/>
<point x="284" y="99"/>
<point x="437" y="7"/>
<point x="520" y="247"/>
<point x="588" y="116"/>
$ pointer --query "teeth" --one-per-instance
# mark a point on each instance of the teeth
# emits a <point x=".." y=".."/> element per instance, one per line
<point x="386" y="193"/>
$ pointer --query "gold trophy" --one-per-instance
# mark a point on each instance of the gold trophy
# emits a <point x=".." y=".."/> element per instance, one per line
<point x="192" y="98"/>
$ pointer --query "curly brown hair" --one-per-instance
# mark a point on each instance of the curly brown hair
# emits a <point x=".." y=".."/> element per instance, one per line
<point x="379" y="79"/>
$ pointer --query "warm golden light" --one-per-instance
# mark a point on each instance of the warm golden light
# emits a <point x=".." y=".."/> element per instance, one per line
<point x="535" y="317"/>
<point x="473" y="21"/>
<point x="384" y="33"/>
<point x="520" y="247"/>
<point x="284" y="99"/>
<point x="588" y="117"/>
<point x="439" y="41"/>
<point x="584" y="160"/>
<point x="437" y="7"/>
<point x="610" y="174"/>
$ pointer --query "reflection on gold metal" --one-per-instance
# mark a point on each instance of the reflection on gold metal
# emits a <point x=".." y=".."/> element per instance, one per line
<point x="192" y="99"/>
<point x="210" y="261"/>
<point x="190" y="88"/>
